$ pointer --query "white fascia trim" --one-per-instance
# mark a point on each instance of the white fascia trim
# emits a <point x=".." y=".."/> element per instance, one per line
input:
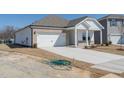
<point x="88" y="24"/>
<point x="97" y="22"/>
<point x="80" y="22"/>
<point x="70" y="28"/>
<point x="83" y="23"/>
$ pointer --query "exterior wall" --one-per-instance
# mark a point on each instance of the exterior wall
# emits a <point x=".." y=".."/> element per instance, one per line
<point x="82" y="34"/>
<point x="71" y="37"/>
<point x="115" y="30"/>
<point x="110" y="31"/>
<point x="104" y="33"/>
<point x="67" y="36"/>
<point x="24" y="37"/>
<point x="97" y="37"/>
<point x="91" y="34"/>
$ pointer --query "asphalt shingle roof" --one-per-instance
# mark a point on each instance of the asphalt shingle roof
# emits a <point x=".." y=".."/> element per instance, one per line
<point x="52" y="21"/>
<point x="76" y="21"/>
<point x="57" y="21"/>
<point x="117" y="16"/>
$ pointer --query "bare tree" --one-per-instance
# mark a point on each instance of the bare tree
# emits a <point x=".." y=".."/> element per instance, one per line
<point x="7" y="33"/>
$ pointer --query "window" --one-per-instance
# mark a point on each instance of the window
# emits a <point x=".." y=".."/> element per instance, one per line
<point x="84" y="38"/>
<point x="113" y="22"/>
<point x="89" y="38"/>
<point x="123" y="22"/>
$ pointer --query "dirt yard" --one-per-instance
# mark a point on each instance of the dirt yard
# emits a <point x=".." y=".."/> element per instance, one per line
<point x="17" y="65"/>
<point x="111" y="49"/>
<point x="17" y="61"/>
<point x="41" y="53"/>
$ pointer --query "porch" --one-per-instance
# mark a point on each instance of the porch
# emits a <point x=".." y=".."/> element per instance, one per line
<point x="86" y="38"/>
<point x="83" y="34"/>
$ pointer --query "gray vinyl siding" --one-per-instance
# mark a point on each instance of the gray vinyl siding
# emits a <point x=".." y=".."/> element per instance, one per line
<point x="104" y="33"/>
<point x="109" y="30"/>
<point x="71" y="37"/>
<point x="67" y="36"/>
<point x="115" y="30"/>
<point x="97" y="37"/>
<point x="24" y="37"/>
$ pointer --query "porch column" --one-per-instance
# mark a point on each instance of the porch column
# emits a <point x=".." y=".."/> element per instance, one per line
<point x="76" y="40"/>
<point x="101" y="42"/>
<point x="87" y="41"/>
<point x="93" y="38"/>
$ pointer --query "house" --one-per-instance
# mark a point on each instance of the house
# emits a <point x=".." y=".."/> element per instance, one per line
<point x="53" y="30"/>
<point x="113" y="28"/>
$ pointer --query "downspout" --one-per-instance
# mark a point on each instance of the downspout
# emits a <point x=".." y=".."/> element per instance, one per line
<point x="32" y="37"/>
<point x="76" y="38"/>
<point x="14" y="38"/>
<point x="108" y="33"/>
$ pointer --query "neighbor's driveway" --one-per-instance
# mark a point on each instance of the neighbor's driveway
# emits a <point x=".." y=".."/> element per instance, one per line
<point x="86" y="55"/>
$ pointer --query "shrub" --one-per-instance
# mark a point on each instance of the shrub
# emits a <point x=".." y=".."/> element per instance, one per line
<point x="109" y="42"/>
<point x="35" y="46"/>
<point x="85" y="47"/>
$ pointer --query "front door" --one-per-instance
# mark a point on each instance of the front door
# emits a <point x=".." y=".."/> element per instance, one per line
<point x="82" y="37"/>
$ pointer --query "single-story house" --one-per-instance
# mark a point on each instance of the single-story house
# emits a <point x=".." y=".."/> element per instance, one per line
<point x="53" y="30"/>
<point x="113" y="28"/>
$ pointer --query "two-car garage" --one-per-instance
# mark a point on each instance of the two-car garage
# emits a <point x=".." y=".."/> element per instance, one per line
<point x="51" y="39"/>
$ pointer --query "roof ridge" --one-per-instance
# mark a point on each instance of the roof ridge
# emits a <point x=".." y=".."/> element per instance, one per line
<point x="109" y="15"/>
<point x="76" y="20"/>
<point x="79" y="18"/>
<point x="52" y="20"/>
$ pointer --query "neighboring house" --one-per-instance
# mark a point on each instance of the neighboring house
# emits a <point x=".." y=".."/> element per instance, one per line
<point x="113" y="28"/>
<point x="53" y="31"/>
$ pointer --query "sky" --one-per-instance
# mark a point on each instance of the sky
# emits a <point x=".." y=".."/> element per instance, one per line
<point x="21" y="20"/>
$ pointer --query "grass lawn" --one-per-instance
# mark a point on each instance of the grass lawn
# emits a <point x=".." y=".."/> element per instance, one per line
<point x="111" y="49"/>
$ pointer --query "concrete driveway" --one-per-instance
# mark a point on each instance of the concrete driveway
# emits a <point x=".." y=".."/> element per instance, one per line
<point x="89" y="56"/>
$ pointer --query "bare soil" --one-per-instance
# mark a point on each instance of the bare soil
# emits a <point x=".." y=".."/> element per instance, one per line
<point x="17" y="65"/>
<point x="111" y="49"/>
<point x="25" y="54"/>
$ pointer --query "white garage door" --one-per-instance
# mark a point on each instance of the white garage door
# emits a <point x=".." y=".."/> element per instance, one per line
<point x="116" y="39"/>
<point x="51" y="39"/>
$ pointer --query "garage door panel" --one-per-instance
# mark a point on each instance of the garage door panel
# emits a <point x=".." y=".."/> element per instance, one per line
<point x="61" y="40"/>
<point x="117" y="39"/>
<point x="51" y="40"/>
